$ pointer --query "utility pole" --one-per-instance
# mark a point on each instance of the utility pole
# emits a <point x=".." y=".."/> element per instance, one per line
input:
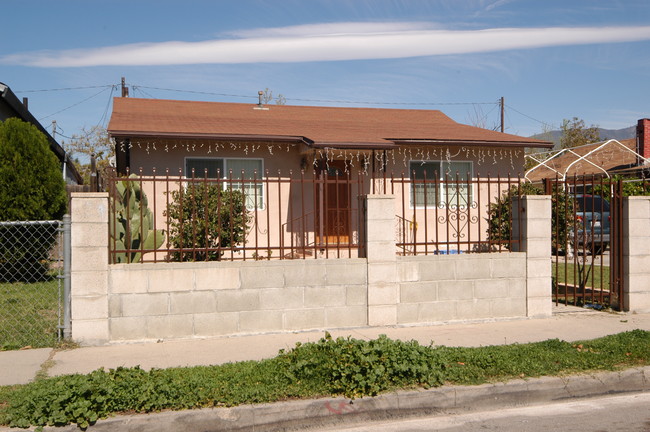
<point x="125" y="89"/>
<point x="65" y="156"/>
<point x="502" y="103"/>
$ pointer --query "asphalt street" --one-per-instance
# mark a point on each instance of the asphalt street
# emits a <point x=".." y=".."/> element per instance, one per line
<point x="628" y="413"/>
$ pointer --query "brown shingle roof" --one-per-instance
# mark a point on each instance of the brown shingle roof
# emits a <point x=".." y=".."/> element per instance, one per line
<point x="319" y="126"/>
<point x="610" y="157"/>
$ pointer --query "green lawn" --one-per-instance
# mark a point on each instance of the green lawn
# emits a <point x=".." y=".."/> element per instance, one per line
<point x="568" y="278"/>
<point x="28" y="314"/>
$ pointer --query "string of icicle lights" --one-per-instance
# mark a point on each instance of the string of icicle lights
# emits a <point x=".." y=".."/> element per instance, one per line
<point x="353" y="158"/>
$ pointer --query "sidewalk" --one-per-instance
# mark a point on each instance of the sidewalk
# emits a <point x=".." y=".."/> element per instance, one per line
<point x="567" y="323"/>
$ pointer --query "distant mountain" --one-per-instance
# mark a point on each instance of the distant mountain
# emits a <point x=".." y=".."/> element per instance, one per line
<point x="605" y="134"/>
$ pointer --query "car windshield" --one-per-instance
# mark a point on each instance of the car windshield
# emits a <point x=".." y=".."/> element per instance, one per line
<point x="590" y="203"/>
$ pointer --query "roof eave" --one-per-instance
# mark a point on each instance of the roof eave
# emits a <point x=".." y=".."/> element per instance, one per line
<point x="354" y="145"/>
<point x="475" y="143"/>
<point x="211" y="136"/>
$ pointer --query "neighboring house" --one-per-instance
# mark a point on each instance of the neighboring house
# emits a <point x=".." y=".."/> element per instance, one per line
<point x="10" y="107"/>
<point x="606" y="158"/>
<point x="273" y="143"/>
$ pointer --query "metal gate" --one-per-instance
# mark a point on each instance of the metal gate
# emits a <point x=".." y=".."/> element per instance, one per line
<point x="34" y="283"/>
<point x="587" y="242"/>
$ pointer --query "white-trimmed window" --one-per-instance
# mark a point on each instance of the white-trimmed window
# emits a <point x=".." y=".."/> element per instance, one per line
<point x="241" y="169"/>
<point x="440" y="183"/>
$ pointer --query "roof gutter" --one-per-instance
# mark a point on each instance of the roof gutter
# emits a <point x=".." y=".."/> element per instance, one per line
<point x="354" y="146"/>
<point x="231" y="137"/>
<point x="479" y="143"/>
<point x="254" y="137"/>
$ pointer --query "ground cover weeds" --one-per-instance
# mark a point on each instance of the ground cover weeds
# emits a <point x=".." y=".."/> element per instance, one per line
<point x="330" y="367"/>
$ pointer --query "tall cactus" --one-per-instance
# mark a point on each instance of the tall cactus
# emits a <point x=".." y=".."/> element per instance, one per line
<point x="131" y="226"/>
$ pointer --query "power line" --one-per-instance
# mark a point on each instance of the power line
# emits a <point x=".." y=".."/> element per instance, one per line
<point x="74" y="105"/>
<point x="139" y="87"/>
<point x="192" y="91"/>
<point x="532" y="118"/>
<point x="108" y="104"/>
<point x="390" y="103"/>
<point x="64" y="136"/>
<point x="63" y="89"/>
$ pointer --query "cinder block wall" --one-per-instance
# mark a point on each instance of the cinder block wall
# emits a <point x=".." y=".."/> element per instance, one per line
<point x="178" y="300"/>
<point x="127" y="302"/>
<point x="461" y="287"/>
<point x="532" y="224"/>
<point x="89" y="268"/>
<point x="636" y="254"/>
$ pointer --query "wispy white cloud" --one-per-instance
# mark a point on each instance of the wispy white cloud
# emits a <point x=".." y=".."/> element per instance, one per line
<point x="497" y="4"/>
<point x="334" y="29"/>
<point x="347" y="41"/>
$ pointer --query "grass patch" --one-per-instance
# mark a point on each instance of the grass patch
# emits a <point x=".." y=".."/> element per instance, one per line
<point x="568" y="274"/>
<point x="29" y="314"/>
<point x="343" y="366"/>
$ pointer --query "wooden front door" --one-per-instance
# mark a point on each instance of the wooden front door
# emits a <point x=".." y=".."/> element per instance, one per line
<point x="333" y="218"/>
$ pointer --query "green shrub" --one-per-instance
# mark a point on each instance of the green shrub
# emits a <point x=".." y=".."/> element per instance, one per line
<point x="31" y="188"/>
<point x="31" y="180"/>
<point x="500" y="215"/>
<point x="632" y="186"/>
<point x="206" y="219"/>
<point x="356" y="368"/>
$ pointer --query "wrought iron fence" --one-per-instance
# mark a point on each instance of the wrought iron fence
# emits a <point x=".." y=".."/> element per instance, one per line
<point x="234" y="217"/>
<point x="299" y="216"/>
<point x="587" y="223"/>
<point x="455" y="214"/>
<point x="31" y="288"/>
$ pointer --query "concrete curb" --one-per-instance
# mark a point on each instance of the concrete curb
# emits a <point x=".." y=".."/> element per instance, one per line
<point x="331" y="412"/>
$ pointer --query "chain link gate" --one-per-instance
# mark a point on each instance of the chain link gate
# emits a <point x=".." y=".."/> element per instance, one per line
<point x="587" y="268"/>
<point x="34" y="258"/>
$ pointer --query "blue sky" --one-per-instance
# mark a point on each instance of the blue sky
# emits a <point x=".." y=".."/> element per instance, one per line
<point x="549" y="59"/>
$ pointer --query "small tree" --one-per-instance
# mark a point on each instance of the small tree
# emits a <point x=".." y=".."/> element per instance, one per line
<point x="31" y="188"/>
<point x="93" y="142"/>
<point x="206" y="219"/>
<point x="575" y="133"/>
<point x="267" y="97"/>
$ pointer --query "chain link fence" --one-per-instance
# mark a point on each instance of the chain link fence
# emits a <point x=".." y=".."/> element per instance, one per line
<point x="31" y="284"/>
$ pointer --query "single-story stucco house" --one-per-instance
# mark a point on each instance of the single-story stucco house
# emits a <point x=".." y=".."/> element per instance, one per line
<point x="273" y="152"/>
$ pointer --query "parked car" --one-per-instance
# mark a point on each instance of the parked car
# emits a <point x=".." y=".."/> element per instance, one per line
<point x="593" y="224"/>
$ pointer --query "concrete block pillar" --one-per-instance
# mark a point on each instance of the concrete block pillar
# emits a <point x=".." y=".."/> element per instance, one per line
<point x="636" y="254"/>
<point x="383" y="288"/>
<point x="89" y="268"/>
<point x="532" y="226"/>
